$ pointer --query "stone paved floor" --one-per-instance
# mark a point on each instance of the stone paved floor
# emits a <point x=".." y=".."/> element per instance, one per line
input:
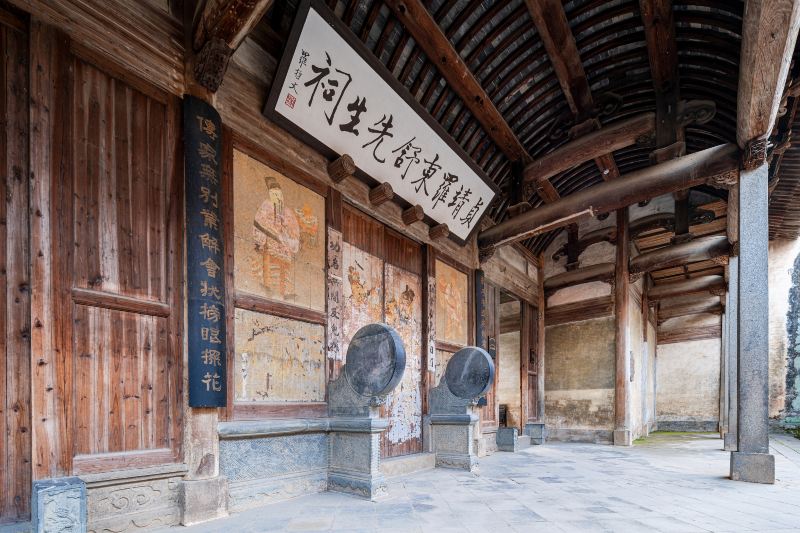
<point x="668" y="482"/>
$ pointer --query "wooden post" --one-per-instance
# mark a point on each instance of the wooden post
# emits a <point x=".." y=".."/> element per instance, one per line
<point x="540" y="350"/>
<point x="622" y="429"/>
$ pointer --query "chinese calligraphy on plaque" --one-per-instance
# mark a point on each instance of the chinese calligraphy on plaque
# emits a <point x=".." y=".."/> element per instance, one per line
<point x="326" y="89"/>
<point x="204" y="254"/>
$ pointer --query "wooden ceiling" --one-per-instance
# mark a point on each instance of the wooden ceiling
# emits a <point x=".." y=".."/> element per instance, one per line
<point x="512" y="81"/>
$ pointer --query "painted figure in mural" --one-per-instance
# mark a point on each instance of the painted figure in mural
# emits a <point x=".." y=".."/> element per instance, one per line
<point x="401" y="311"/>
<point x="359" y="292"/>
<point x="276" y="233"/>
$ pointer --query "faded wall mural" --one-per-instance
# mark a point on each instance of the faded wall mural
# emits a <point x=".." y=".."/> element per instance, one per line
<point x="363" y="291"/>
<point x="279" y="235"/>
<point x="278" y="359"/>
<point x="404" y="313"/>
<point x="452" y="304"/>
<point x="442" y="359"/>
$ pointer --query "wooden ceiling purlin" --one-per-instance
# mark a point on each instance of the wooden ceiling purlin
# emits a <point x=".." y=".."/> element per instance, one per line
<point x="551" y="22"/>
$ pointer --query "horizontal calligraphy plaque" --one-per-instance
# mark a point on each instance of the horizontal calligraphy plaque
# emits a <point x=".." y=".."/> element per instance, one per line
<point x="334" y="94"/>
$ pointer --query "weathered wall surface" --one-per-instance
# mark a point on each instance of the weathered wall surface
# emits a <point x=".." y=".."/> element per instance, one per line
<point x="650" y="400"/>
<point x="579" y="382"/>
<point x="508" y="391"/>
<point x="688" y="385"/>
<point x="639" y="370"/>
<point x="783" y="346"/>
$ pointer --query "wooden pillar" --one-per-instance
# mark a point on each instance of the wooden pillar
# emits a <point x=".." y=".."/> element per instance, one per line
<point x="540" y="349"/>
<point x="622" y="430"/>
<point x="752" y="461"/>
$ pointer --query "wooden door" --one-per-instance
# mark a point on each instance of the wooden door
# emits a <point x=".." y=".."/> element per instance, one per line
<point x="107" y="287"/>
<point x="15" y="400"/>
<point x="488" y="317"/>
<point x="403" y="311"/>
<point x="382" y="273"/>
<point x="530" y="329"/>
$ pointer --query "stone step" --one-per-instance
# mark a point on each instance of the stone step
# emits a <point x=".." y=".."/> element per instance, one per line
<point x="523" y="441"/>
<point x="407" y="464"/>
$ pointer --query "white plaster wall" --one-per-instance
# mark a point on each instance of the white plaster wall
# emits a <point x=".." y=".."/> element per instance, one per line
<point x="638" y="369"/>
<point x="782" y="255"/>
<point x="508" y="387"/>
<point x="688" y="381"/>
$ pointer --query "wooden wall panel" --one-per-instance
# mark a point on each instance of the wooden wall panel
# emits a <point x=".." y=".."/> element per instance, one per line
<point x="15" y="415"/>
<point x="124" y="397"/>
<point x="107" y="262"/>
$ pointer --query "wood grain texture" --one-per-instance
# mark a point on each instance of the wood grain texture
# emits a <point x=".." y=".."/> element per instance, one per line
<point x="146" y="42"/>
<point x="590" y="146"/>
<point x="622" y="322"/>
<point x="106" y="276"/>
<point x="769" y="33"/>
<point x="428" y="35"/>
<point x="577" y="311"/>
<point x="689" y="334"/>
<point x="15" y="325"/>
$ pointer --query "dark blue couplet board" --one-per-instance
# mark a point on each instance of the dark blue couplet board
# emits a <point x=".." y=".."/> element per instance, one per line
<point x="205" y="275"/>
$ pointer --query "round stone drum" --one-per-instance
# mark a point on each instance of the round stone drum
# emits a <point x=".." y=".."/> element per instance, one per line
<point x="376" y="360"/>
<point x="470" y="373"/>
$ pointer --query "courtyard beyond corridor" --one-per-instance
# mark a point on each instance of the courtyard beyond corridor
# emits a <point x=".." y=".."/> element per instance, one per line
<point x="667" y="482"/>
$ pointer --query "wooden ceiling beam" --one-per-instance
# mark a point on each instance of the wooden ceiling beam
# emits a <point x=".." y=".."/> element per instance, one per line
<point x="720" y="163"/>
<point x="221" y="27"/>
<point x="700" y="249"/>
<point x="428" y="35"/>
<point x="552" y="25"/>
<point x="662" y="53"/>
<point x="431" y="39"/>
<point x="714" y="308"/>
<point x="591" y="146"/>
<point x="769" y="33"/>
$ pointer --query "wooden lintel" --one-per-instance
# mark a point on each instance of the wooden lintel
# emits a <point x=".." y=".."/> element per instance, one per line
<point x="703" y="284"/>
<point x="595" y="144"/>
<point x="689" y="171"/>
<point x="699" y="249"/>
<point x="713" y="331"/>
<point x="415" y="213"/>
<point x="380" y="194"/>
<point x="583" y="310"/>
<point x="341" y="168"/>
<point x="665" y="314"/>
<point x="439" y="231"/>
<point x="600" y="272"/>
<point x="769" y="33"/>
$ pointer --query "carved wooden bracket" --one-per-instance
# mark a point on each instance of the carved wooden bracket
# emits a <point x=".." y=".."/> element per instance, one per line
<point x="724" y="180"/>
<point x="754" y="154"/>
<point x="485" y="253"/>
<point x="211" y="63"/>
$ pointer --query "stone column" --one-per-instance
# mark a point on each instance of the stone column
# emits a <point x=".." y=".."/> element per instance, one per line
<point x="622" y="426"/>
<point x="723" y="377"/>
<point x="731" y="353"/>
<point x="752" y="462"/>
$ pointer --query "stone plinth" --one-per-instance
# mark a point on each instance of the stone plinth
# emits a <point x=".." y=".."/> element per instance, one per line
<point x="537" y="432"/>
<point x="507" y="439"/>
<point x="453" y="437"/>
<point x="203" y="499"/>
<point x="753" y="467"/>
<point x="58" y="505"/>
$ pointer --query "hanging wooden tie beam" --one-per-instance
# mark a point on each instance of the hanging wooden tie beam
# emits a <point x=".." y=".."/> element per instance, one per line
<point x="707" y="166"/>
